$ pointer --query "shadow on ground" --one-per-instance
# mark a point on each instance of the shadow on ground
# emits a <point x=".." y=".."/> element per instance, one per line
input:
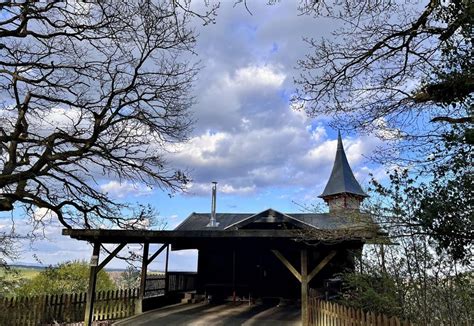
<point x="224" y="314"/>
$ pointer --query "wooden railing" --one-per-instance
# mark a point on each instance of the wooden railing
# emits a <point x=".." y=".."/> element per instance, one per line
<point x="66" y="308"/>
<point x="181" y="281"/>
<point x="324" y="313"/>
<point x="157" y="285"/>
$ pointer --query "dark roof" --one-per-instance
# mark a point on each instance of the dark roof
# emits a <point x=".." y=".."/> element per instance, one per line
<point x="342" y="179"/>
<point x="229" y="221"/>
<point x="199" y="221"/>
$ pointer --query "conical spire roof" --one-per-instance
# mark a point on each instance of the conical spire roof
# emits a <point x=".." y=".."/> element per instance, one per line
<point x="342" y="179"/>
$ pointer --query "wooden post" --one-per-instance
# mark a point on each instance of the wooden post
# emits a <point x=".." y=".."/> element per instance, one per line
<point x="141" y="293"/>
<point x="304" y="288"/>
<point x="233" y="277"/>
<point x="166" y="269"/>
<point x="94" y="263"/>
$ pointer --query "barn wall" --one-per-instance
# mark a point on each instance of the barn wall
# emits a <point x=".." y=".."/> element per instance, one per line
<point x="260" y="273"/>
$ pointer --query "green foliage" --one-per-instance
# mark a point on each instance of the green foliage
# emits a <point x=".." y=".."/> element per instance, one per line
<point x="372" y="292"/>
<point x="130" y="278"/>
<point x="425" y="276"/>
<point x="429" y="297"/>
<point x="446" y="203"/>
<point x="69" y="277"/>
<point x="438" y="199"/>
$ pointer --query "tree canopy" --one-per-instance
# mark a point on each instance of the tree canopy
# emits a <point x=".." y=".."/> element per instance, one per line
<point x="70" y="277"/>
<point x="89" y="91"/>
<point x="403" y="71"/>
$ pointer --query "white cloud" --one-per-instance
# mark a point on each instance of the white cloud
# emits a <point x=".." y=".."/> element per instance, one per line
<point x="257" y="77"/>
<point x="43" y="215"/>
<point x="383" y="131"/>
<point x="225" y="188"/>
<point x="122" y="189"/>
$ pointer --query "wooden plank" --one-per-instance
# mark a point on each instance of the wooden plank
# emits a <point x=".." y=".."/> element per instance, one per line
<point x="78" y="307"/>
<point x="167" y="236"/>
<point x="55" y="305"/>
<point x="71" y="308"/>
<point x="62" y="298"/>
<point x="112" y="305"/>
<point x="130" y="303"/>
<point x="321" y="265"/>
<point x="107" y="306"/>
<point x="121" y="304"/>
<point x="287" y="264"/>
<point x="135" y="296"/>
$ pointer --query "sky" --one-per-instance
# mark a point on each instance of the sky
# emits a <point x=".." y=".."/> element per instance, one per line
<point x="247" y="136"/>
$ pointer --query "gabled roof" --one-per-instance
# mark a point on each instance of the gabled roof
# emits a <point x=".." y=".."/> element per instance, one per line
<point x="342" y="179"/>
<point x="267" y="216"/>
<point x="233" y="221"/>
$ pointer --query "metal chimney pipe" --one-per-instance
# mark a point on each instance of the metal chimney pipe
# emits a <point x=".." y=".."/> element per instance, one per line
<point x="213" y="222"/>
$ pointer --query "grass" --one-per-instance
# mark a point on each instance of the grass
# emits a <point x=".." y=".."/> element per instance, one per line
<point x="18" y="273"/>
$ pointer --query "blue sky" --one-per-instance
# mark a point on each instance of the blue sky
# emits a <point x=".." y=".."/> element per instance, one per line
<point x="247" y="137"/>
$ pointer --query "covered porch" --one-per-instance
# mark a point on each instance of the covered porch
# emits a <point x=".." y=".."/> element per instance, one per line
<point x="281" y="252"/>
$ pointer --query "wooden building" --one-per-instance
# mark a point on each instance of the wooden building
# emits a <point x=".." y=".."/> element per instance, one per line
<point x="268" y="254"/>
<point x="270" y="265"/>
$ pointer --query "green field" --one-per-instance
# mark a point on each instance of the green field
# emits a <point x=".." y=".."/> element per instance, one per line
<point x="17" y="273"/>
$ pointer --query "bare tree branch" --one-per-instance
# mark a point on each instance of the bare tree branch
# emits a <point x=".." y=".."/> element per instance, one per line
<point x="92" y="91"/>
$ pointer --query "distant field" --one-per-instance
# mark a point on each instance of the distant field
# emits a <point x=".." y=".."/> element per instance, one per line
<point x="21" y="273"/>
<point x="26" y="272"/>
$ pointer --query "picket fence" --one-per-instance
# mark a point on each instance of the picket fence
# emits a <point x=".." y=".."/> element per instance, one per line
<point x="324" y="313"/>
<point x="66" y="308"/>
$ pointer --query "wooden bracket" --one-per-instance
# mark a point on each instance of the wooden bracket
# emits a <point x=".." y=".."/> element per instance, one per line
<point x="159" y="251"/>
<point x="321" y="265"/>
<point x="110" y="256"/>
<point x="287" y="264"/>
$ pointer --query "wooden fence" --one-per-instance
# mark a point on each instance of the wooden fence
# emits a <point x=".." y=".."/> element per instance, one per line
<point x="160" y="284"/>
<point x="155" y="285"/>
<point x="181" y="281"/>
<point x="66" y="308"/>
<point x="324" y="313"/>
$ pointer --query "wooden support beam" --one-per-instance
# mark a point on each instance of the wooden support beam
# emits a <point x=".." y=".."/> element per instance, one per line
<point x="233" y="277"/>
<point x="321" y="265"/>
<point x="89" y="312"/>
<point x="166" y="269"/>
<point x="287" y="264"/>
<point x="159" y="251"/>
<point x="110" y="256"/>
<point x="304" y="288"/>
<point x="141" y="293"/>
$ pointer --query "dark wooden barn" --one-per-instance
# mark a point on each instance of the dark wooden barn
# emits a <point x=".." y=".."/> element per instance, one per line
<point x="290" y="252"/>
<point x="262" y="266"/>
<point x="269" y="254"/>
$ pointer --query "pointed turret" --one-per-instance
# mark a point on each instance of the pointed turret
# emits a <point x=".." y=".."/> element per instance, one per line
<point x="342" y="190"/>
